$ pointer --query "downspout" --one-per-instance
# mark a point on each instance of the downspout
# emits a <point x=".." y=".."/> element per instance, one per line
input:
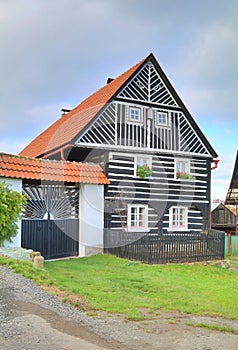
<point x="215" y="166"/>
<point x="216" y="161"/>
<point x="61" y="151"/>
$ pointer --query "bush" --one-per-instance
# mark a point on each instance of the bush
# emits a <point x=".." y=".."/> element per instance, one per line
<point x="11" y="203"/>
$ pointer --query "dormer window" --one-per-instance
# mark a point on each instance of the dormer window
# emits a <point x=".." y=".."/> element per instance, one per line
<point x="162" y="119"/>
<point x="135" y="115"/>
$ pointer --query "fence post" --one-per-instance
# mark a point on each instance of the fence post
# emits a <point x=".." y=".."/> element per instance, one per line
<point x="229" y="244"/>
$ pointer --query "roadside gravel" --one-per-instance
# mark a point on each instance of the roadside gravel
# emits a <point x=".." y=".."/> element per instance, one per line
<point x="16" y="253"/>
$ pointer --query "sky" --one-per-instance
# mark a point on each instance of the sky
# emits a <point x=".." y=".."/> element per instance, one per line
<point x="56" y="53"/>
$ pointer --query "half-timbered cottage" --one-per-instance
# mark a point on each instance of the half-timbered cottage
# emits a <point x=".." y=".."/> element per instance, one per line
<point x="153" y="152"/>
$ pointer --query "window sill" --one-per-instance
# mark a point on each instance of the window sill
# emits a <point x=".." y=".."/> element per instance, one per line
<point x="179" y="230"/>
<point x="143" y="178"/>
<point x="184" y="179"/>
<point x="138" y="230"/>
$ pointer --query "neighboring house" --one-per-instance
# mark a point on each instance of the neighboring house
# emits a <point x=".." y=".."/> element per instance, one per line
<point x="62" y="199"/>
<point x="138" y="120"/>
<point x="223" y="218"/>
<point x="232" y="193"/>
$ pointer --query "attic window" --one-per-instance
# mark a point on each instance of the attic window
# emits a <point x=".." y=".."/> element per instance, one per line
<point x="162" y="118"/>
<point x="135" y="115"/>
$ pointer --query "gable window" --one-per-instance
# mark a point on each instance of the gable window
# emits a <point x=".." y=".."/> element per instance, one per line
<point x="142" y="161"/>
<point x="182" y="170"/>
<point x="135" y="115"/>
<point x="162" y="119"/>
<point x="178" y="218"/>
<point x="137" y="217"/>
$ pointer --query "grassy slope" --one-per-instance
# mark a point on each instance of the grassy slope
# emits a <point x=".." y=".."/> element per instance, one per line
<point x="118" y="285"/>
<point x="121" y="286"/>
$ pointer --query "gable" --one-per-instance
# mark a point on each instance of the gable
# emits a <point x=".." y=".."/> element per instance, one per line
<point x="102" y="119"/>
<point x="148" y="86"/>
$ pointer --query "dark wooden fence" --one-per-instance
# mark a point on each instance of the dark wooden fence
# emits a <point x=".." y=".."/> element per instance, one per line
<point x="166" y="247"/>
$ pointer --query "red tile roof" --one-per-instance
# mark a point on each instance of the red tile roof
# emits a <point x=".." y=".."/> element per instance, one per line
<point x="17" y="167"/>
<point x="65" y="129"/>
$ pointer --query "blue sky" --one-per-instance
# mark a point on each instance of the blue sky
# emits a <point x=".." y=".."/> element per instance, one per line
<point x="55" y="53"/>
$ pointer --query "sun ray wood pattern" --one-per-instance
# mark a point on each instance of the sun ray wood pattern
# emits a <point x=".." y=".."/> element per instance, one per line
<point x="138" y="121"/>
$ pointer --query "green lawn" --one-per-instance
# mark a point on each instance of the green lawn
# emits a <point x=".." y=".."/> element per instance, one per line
<point x="120" y="286"/>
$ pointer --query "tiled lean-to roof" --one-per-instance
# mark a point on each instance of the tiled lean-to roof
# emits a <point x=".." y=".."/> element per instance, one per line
<point x="65" y="129"/>
<point x="12" y="166"/>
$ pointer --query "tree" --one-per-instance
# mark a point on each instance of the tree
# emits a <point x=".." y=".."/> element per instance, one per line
<point x="11" y="204"/>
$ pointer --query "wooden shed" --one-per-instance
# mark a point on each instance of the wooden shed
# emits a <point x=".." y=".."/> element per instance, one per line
<point x="223" y="218"/>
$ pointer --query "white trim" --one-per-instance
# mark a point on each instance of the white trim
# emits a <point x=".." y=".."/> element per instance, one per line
<point x="164" y="114"/>
<point x="138" y="157"/>
<point x="140" y="115"/>
<point x="193" y="201"/>
<point x="137" y="220"/>
<point x="185" y="221"/>
<point x="129" y="149"/>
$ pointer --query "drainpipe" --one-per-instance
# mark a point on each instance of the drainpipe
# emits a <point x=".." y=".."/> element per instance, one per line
<point x="216" y="161"/>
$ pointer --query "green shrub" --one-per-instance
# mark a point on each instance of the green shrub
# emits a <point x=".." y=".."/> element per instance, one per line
<point x="11" y="203"/>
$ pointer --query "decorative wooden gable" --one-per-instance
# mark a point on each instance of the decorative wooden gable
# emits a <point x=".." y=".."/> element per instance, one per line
<point x="146" y="113"/>
<point x="148" y="86"/>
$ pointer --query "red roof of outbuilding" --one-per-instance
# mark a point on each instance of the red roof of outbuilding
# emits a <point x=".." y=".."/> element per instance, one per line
<point x="12" y="166"/>
<point x="65" y="129"/>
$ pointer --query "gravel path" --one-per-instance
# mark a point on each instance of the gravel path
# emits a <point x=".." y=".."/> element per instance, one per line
<point x="33" y="319"/>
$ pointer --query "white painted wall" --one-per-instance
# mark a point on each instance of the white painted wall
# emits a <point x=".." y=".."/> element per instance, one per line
<point x="16" y="185"/>
<point x="91" y="222"/>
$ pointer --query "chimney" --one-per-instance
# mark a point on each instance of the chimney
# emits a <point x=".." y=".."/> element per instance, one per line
<point x="109" y="80"/>
<point x="65" y="111"/>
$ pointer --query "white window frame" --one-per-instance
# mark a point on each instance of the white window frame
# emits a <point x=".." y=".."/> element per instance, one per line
<point x="137" y="226"/>
<point x="135" y="110"/>
<point x="182" y="165"/>
<point x="178" y="218"/>
<point x="165" y="115"/>
<point x="141" y="160"/>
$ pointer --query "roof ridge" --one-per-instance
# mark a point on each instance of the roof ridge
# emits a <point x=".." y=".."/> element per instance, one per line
<point x="69" y="114"/>
<point x="47" y="160"/>
<point x="79" y="117"/>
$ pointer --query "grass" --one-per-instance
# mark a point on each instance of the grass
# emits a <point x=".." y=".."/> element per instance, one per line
<point x="215" y="327"/>
<point x="137" y="290"/>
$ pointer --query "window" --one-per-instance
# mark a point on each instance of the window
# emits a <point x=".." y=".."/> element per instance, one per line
<point x="142" y="161"/>
<point x="178" y="218"/>
<point x="137" y="218"/>
<point x="162" y="119"/>
<point x="182" y="170"/>
<point x="135" y="115"/>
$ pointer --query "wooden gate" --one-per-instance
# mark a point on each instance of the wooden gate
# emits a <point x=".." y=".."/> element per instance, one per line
<point x="51" y="220"/>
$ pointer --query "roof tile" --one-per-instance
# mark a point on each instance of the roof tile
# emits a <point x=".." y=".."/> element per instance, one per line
<point x="65" y="129"/>
<point x="50" y="170"/>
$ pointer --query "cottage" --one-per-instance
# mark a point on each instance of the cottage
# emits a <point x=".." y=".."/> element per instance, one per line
<point x="156" y="157"/>
<point x="62" y="198"/>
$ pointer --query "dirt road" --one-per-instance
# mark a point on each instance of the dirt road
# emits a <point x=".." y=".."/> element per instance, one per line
<point x="33" y="319"/>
